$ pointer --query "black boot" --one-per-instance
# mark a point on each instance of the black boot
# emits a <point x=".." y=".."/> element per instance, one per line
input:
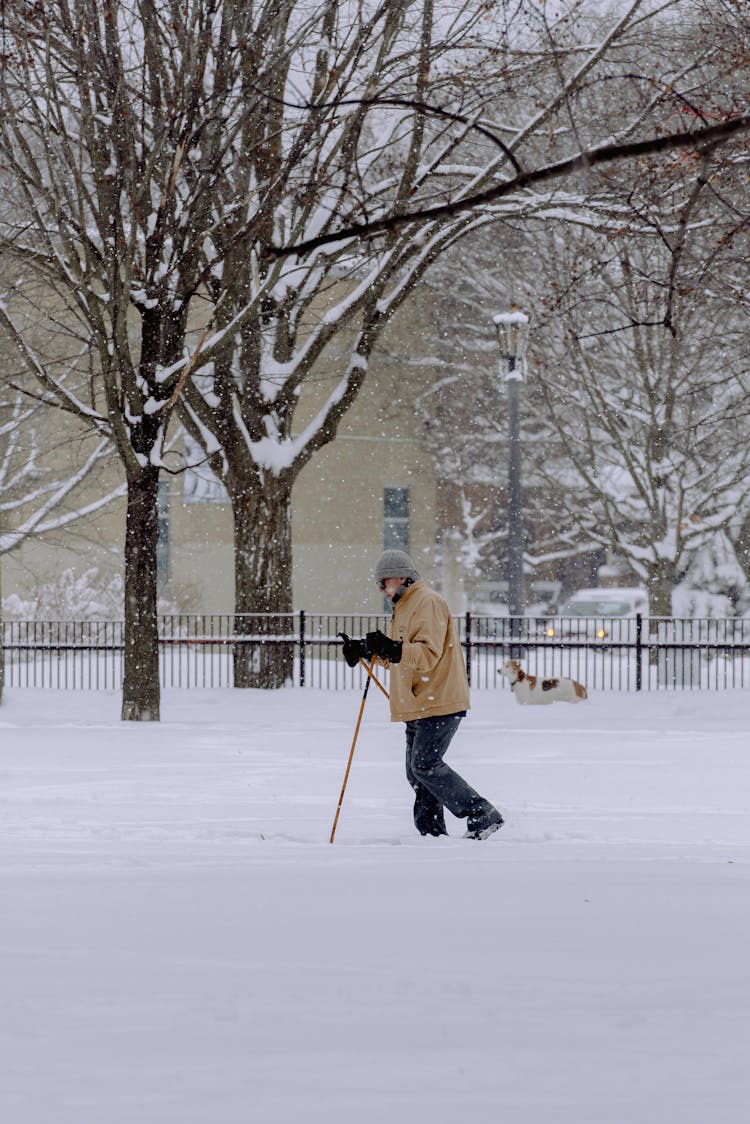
<point x="483" y="824"/>
<point x="432" y="824"/>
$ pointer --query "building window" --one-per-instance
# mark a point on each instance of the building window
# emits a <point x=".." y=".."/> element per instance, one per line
<point x="396" y="519"/>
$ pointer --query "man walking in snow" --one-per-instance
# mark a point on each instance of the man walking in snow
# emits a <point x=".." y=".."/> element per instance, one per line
<point x="429" y="692"/>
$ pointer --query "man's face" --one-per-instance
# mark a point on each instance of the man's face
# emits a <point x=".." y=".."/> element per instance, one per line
<point x="391" y="586"/>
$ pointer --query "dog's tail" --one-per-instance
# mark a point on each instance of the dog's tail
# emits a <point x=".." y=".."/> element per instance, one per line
<point x="580" y="690"/>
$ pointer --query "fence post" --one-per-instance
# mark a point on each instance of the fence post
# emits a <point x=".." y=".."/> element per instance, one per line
<point x="638" y="652"/>
<point x="302" y="647"/>
<point x="468" y="647"/>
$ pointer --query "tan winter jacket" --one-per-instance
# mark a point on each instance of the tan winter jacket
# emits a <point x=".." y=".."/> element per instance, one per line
<point x="430" y="678"/>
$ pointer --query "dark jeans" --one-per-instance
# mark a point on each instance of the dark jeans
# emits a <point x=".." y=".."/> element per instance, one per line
<point x="437" y="785"/>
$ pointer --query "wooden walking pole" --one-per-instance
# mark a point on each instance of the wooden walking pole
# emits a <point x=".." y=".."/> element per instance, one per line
<point x="351" y="751"/>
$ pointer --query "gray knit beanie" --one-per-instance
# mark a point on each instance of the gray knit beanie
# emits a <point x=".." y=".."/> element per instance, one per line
<point x="395" y="564"/>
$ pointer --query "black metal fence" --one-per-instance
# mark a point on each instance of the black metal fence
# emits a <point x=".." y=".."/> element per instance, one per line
<point x="197" y="650"/>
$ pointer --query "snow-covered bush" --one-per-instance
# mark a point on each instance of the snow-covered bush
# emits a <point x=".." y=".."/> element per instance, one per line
<point x="74" y="596"/>
<point x="71" y="596"/>
<point x="713" y="585"/>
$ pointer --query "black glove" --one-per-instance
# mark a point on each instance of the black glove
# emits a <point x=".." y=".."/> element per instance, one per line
<point x="354" y="650"/>
<point x="378" y="644"/>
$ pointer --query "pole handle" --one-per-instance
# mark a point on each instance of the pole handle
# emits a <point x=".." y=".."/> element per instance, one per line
<point x="376" y="681"/>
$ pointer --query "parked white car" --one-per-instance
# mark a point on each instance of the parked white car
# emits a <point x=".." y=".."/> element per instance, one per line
<point x="599" y="614"/>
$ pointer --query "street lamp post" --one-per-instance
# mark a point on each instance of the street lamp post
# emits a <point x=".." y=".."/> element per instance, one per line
<point x="512" y="333"/>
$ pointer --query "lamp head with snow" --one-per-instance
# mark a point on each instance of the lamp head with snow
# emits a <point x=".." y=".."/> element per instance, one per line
<point x="512" y="334"/>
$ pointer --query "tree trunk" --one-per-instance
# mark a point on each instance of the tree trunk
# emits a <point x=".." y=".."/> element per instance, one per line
<point x="263" y="580"/>
<point x="141" y="691"/>
<point x="661" y="580"/>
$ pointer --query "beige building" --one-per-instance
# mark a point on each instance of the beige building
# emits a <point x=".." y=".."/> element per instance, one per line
<point x="374" y="486"/>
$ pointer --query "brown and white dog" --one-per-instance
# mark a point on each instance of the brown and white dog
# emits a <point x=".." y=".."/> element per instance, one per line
<point x="532" y="691"/>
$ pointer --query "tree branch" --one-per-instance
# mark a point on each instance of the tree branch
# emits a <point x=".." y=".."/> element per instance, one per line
<point x="606" y="154"/>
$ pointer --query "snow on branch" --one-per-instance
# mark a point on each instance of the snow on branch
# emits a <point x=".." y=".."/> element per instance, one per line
<point x="42" y="520"/>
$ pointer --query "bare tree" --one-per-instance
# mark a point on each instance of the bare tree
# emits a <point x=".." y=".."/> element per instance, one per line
<point x="348" y="139"/>
<point x="648" y="447"/>
<point x="635" y="423"/>
<point x="118" y="121"/>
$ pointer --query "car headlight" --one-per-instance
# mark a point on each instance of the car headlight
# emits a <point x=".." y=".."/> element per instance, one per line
<point x="601" y="633"/>
<point x="550" y="631"/>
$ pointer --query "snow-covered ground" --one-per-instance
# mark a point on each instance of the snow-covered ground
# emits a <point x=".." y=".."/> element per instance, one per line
<point x="180" y="944"/>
